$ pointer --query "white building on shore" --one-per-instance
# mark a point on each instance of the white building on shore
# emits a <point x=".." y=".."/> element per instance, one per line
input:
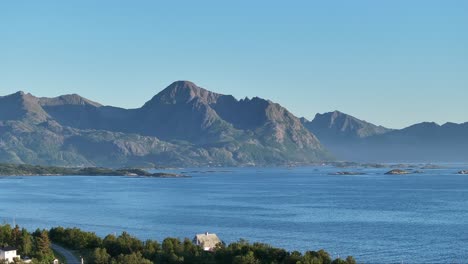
<point x="207" y="241"/>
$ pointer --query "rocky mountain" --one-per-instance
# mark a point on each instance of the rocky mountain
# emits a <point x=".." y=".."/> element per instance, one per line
<point x="349" y="138"/>
<point x="183" y="125"/>
<point x="343" y="134"/>
<point x="337" y="125"/>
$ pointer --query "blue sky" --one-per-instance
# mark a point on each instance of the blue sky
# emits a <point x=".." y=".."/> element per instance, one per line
<point x="393" y="63"/>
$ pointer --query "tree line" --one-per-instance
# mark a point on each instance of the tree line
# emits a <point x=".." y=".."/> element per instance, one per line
<point x="127" y="249"/>
<point x="34" y="245"/>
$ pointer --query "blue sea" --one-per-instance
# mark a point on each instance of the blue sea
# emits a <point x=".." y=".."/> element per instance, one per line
<point x="417" y="218"/>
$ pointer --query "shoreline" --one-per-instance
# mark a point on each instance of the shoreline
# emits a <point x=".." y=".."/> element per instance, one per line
<point x="24" y="170"/>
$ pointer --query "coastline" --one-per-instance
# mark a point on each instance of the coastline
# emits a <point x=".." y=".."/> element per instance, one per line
<point x="23" y="170"/>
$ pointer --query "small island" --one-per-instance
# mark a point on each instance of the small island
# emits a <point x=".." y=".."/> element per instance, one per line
<point x="37" y="170"/>
<point x="347" y="173"/>
<point x="398" y="172"/>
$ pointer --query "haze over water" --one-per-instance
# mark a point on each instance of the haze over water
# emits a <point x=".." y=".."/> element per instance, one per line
<point x="374" y="217"/>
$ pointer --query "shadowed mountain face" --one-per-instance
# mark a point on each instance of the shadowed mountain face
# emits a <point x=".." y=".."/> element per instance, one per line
<point x="426" y="142"/>
<point x="343" y="134"/>
<point x="21" y="106"/>
<point x="183" y="125"/>
<point x="182" y="111"/>
<point x="352" y="139"/>
<point x="337" y="125"/>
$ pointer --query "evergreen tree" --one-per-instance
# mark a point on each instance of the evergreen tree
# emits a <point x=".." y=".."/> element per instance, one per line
<point x="134" y="258"/>
<point x="100" y="256"/>
<point x="5" y="235"/>
<point x="25" y="245"/>
<point x="43" y="252"/>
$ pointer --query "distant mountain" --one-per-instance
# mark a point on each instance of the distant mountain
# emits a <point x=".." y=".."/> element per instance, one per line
<point x="343" y="134"/>
<point x="336" y="124"/>
<point x="184" y="125"/>
<point x="424" y="142"/>
<point x="353" y="139"/>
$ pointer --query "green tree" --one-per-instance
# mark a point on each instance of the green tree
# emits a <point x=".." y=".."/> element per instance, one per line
<point x="42" y="246"/>
<point x="249" y="258"/>
<point x="128" y="244"/>
<point x="25" y="245"/>
<point x="15" y="236"/>
<point x="311" y="257"/>
<point x="172" y="251"/>
<point x="134" y="258"/>
<point x="151" y="250"/>
<point x="294" y="257"/>
<point x="324" y="256"/>
<point x="350" y="260"/>
<point x="100" y="256"/>
<point x="110" y="244"/>
<point x="6" y="235"/>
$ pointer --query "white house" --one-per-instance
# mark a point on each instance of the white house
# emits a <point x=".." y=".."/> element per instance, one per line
<point x="207" y="241"/>
<point x="8" y="254"/>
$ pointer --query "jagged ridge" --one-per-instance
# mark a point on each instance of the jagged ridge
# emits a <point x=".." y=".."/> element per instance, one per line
<point x="182" y="125"/>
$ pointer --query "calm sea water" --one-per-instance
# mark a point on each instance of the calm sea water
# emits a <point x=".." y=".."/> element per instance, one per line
<point x="374" y="217"/>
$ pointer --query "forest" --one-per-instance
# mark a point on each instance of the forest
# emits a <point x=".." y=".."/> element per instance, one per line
<point x="127" y="249"/>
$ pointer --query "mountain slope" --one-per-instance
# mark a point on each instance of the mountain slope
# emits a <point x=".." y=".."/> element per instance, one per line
<point x="184" y="125"/>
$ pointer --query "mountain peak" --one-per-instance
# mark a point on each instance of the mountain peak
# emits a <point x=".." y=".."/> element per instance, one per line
<point x="423" y="125"/>
<point x="339" y="123"/>
<point x="21" y="105"/>
<point x="183" y="92"/>
<point x="184" y="83"/>
<point x="19" y="94"/>
<point x="68" y="99"/>
<point x="332" y="118"/>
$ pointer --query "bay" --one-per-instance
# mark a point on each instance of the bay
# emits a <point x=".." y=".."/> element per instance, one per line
<point x="374" y="217"/>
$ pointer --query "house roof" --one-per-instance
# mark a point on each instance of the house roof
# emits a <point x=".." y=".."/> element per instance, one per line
<point x="207" y="240"/>
<point x="7" y="248"/>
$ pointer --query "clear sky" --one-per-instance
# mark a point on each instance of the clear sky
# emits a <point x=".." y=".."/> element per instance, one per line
<point x="392" y="62"/>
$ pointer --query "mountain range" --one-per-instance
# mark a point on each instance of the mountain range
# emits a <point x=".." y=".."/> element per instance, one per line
<point x="183" y="125"/>
<point x="186" y="125"/>
<point x="352" y="139"/>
